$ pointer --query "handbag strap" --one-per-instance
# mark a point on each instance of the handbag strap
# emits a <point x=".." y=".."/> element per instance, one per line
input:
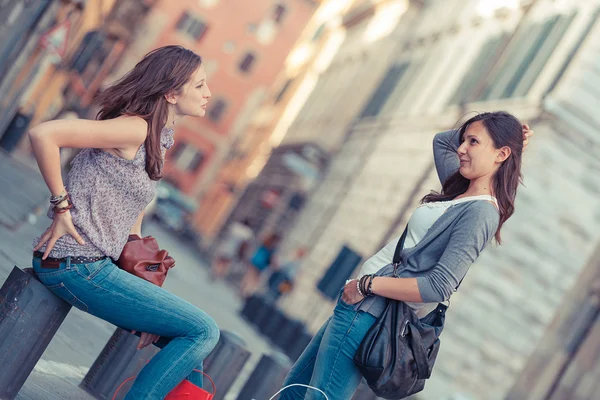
<point x="397" y="260"/>
<point x="418" y="350"/>
<point x="399" y="247"/>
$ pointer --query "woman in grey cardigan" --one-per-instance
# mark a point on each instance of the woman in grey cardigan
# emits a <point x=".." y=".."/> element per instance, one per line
<point x="479" y="166"/>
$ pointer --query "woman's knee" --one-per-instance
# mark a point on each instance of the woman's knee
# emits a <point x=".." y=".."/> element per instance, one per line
<point x="204" y="328"/>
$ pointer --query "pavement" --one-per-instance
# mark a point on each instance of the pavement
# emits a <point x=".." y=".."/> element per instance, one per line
<point x="81" y="337"/>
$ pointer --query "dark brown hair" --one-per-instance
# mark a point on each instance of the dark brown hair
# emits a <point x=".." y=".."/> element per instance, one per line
<point x="141" y="92"/>
<point x="505" y="130"/>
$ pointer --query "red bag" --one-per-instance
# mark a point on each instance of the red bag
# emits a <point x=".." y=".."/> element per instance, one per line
<point x="186" y="390"/>
<point x="143" y="258"/>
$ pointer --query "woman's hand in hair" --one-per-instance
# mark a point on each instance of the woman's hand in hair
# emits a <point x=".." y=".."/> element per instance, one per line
<point x="527" y="133"/>
<point x="351" y="295"/>
<point x="61" y="225"/>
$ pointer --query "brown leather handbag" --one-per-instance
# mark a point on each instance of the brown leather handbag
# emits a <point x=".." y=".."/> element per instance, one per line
<point x="143" y="258"/>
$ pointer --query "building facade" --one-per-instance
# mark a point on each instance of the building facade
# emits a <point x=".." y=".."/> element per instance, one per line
<point x="243" y="45"/>
<point x="22" y="26"/>
<point x="564" y="364"/>
<point x="342" y="55"/>
<point x="69" y="62"/>
<point x="305" y="62"/>
<point x="535" y="59"/>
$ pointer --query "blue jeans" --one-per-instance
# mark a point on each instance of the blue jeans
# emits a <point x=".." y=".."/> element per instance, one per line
<point x="327" y="362"/>
<point x="187" y="333"/>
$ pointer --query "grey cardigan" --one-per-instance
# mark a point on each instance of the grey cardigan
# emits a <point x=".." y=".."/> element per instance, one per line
<point x="443" y="257"/>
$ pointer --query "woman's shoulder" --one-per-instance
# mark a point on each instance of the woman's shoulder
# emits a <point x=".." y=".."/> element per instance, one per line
<point x="134" y="124"/>
<point x="482" y="211"/>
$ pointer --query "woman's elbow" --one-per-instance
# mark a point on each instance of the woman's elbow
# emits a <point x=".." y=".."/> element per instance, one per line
<point x="36" y="133"/>
<point x="434" y="292"/>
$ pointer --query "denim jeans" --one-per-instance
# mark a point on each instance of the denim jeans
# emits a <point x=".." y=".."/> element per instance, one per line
<point x="327" y="362"/>
<point x="187" y="333"/>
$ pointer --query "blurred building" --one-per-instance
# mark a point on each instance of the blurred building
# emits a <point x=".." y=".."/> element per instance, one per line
<point x="272" y="201"/>
<point x="22" y="27"/>
<point x="564" y="365"/>
<point x="306" y="61"/>
<point x="536" y="59"/>
<point x="69" y="61"/>
<point x="243" y="45"/>
<point x="331" y="67"/>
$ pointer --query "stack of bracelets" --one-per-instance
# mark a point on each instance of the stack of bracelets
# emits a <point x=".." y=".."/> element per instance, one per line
<point x="364" y="285"/>
<point x="58" y="200"/>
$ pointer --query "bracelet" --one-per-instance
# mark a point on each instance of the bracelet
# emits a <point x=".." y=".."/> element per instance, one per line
<point x="69" y="205"/>
<point x="63" y="209"/>
<point x="358" y="288"/>
<point x="370" y="287"/>
<point x="363" y="285"/>
<point x="54" y="200"/>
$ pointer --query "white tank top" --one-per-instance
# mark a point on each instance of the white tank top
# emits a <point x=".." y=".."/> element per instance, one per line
<point x="419" y="223"/>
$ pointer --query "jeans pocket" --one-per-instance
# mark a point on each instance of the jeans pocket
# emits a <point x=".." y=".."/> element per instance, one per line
<point x="95" y="272"/>
<point x="64" y="293"/>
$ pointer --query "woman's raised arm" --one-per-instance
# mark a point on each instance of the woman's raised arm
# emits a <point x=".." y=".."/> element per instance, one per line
<point x="445" y="147"/>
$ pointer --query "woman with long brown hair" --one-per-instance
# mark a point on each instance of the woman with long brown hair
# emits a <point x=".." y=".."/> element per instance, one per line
<point x="479" y="166"/>
<point x="111" y="182"/>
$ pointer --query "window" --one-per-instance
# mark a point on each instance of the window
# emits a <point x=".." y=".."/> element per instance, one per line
<point x="540" y="57"/>
<point x="215" y="112"/>
<point x="191" y="26"/>
<point x="387" y="85"/>
<point x="283" y="90"/>
<point x="187" y="158"/>
<point x="177" y="150"/>
<point x="247" y="62"/>
<point x="583" y="35"/>
<point x="478" y="71"/>
<point x="278" y="13"/>
<point x="525" y="58"/>
<point x="339" y="271"/>
<point x="196" y="162"/>
<point x="318" y="33"/>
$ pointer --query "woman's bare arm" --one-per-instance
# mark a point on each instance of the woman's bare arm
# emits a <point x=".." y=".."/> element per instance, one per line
<point x="47" y="138"/>
<point x="137" y="227"/>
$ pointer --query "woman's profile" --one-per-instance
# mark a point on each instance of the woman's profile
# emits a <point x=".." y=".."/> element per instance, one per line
<point x="102" y="202"/>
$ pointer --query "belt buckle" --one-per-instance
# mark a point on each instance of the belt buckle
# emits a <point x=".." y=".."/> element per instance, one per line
<point x="50" y="264"/>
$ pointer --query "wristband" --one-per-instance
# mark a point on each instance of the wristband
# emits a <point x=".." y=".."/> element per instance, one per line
<point x="358" y="288"/>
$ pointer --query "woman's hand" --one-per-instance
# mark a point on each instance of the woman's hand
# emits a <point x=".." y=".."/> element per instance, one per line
<point x="146" y="339"/>
<point x="351" y="295"/>
<point x="61" y="225"/>
<point x="527" y="133"/>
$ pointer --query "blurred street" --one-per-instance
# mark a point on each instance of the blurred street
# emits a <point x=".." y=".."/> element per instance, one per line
<point x="82" y="336"/>
<point x="311" y="153"/>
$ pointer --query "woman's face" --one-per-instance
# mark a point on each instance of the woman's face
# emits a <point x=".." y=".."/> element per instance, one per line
<point x="477" y="153"/>
<point x="194" y="95"/>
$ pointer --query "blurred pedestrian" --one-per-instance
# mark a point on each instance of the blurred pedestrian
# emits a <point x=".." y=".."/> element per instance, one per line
<point x="262" y="258"/>
<point x="480" y="169"/>
<point x="233" y="248"/>
<point x="284" y="276"/>
<point x="111" y="182"/>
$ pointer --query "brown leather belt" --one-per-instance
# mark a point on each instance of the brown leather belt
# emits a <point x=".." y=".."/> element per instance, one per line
<point x="54" y="263"/>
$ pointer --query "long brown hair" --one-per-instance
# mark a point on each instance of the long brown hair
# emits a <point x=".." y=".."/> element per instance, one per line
<point x="505" y="130"/>
<point x="141" y="92"/>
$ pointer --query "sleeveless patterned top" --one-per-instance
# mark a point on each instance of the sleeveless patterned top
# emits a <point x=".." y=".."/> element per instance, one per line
<point x="108" y="193"/>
